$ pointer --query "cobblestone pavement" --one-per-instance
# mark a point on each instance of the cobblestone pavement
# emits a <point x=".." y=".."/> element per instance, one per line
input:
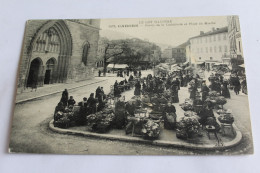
<point x="30" y="131"/>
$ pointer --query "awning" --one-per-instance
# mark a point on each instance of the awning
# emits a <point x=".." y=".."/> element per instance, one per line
<point x="119" y="66"/>
<point x="242" y="65"/>
<point x="200" y="63"/>
<point x="186" y="63"/>
<point x="163" y="66"/>
<point x="216" y="64"/>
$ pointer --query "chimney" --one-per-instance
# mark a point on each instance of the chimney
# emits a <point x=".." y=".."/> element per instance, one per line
<point x="201" y="32"/>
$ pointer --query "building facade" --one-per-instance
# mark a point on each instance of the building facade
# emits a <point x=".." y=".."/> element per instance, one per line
<point x="167" y="55"/>
<point x="101" y="52"/>
<point x="234" y="35"/>
<point x="179" y="53"/>
<point x="58" y="51"/>
<point x="210" y="47"/>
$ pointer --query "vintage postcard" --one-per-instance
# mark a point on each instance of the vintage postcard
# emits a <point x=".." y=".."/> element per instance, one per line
<point x="143" y="86"/>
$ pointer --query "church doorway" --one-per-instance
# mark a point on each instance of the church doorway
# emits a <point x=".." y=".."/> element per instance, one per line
<point x="33" y="76"/>
<point x="49" y="73"/>
<point x="47" y="77"/>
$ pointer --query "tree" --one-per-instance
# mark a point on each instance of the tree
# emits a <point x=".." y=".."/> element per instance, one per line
<point x="129" y="51"/>
<point x="113" y="48"/>
<point x="137" y="51"/>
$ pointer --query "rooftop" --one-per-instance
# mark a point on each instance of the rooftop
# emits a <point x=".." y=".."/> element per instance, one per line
<point x="212" y="32"/>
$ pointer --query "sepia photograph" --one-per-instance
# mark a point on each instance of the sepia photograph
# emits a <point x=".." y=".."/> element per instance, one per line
<point x="132" y="86"/>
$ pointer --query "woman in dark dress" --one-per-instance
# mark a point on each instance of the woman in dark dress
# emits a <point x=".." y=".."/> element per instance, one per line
<point x="59" y="108"/>
<point x="175" y="95"/>
<point x="204" y="91"/>
<point x="91" y="103"/>
<point x="144" y="88"/>
<point x="197" y="103"/>
<point x="224" y="90"/>
<point x="116" y="90"/>
<point x="193" y="91"/>
<point x="65" y="97"/>
<point x="137" y="91"/>
<point x="205" y="113"/>
<point x="237" y="85"/>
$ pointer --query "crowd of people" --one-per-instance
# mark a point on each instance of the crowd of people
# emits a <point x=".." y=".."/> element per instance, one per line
<point x="161" y="91"/>
<point x="95" y="103"/>
<point x="125" y="72"/>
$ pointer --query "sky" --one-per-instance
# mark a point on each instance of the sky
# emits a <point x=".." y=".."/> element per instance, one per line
<point x="169" y="31"/>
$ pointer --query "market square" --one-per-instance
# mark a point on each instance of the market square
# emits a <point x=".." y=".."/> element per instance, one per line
<point x="131" y="96"/>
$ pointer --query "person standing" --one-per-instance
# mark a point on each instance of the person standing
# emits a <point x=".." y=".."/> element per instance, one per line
<point x="144" y="88"/>
<point x="91" y="103"/>
<point x="65" y="97"/>
<point x="102" y="92"/>
<point x="178" y="83"/>
<point x="197" y="103"/>
<point x="193" y="90"/>
<point x="224" y="89"/>
<point x="181" y="80"/>
<point x="99" y="73"/>
<point x="204" y="91"/>
<point x="137" y="91"/>
<point x="98" y="91"/>
<point x="140" y="73"/>
<point x="237" y="85"/>
<point x="84" y="102"/>
<point x="116" y="89"/>
<point x="175" y="90"/>
<point x="244" y="85"/>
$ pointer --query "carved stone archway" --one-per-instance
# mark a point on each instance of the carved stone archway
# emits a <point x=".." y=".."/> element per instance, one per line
<point x="59" y="28"/>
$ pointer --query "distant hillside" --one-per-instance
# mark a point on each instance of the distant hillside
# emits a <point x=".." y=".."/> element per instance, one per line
<point x="114" y="35"/>
<point x="163" y="46"/>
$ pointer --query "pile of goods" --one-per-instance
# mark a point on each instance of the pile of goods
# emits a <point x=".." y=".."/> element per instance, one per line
<point x="101" y="121"/>
<point x="225" y="117"/>
<point x="188" y="126"/>
<point x="187" y="105"/>
<point x="64" y="119"/>
<point x="155" y="115"/>
<point x="190" y="114"/>
<point x="151" y="129"/>
<point x="220" y="100"/>
<point x="221" y="111"/>
<point x="213" y="94"/>
<point x="215" y="99"/>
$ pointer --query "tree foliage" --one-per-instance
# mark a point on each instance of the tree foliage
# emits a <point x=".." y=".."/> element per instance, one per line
<point x="130" y="51"/>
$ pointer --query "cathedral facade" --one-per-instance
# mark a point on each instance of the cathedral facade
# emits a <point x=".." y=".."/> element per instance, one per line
<point x="58" y="51"/>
